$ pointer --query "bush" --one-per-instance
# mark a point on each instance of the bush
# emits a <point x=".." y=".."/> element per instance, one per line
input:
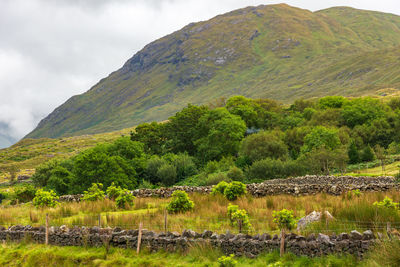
<point x="232" y="209"/>
<point x="25" y="193"/>
<point x="167" y="174"/>
<point x="243" y="217"/>
<point x="45" y="198"/>
<point x="235" y="190"/>
<point x="284" y="219"/>
<point x="124" y="199"/>
<point x="235" y="174"/>
<point x="219" y="188"/>
<point x="94" y="193"/>
<point x="387" y="203"/>
<point x="227" y="261"/>
<point x="113" y="192"/>
<point x="180" y="202"/>
<point x="215" y="178"/>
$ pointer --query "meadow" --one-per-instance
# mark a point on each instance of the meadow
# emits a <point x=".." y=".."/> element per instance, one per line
<point x="351" y="211"/>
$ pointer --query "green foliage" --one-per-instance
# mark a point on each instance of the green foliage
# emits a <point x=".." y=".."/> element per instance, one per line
<point x="367" y="154"/>
<point x="219" y="134"/>
<point x="235" y="174"/>
<point x="124" y="199"/>
<point x="361" y="110"/>
<point x="227" y="261"/>
<point x="267" y="169"/>
<point x="45" y="199"/>
<point x="235" y="190"/>
<point x="152" y="135"/>
<point x="167" y="174"/>
<point x="180" y="202"/>
<point x="284" y="219"/>
<point x="352" y="152"/>
<point x="357" y="192"/>
<point x="241" y="218"/>
<point x="262" y="145"/>
<point x="387" y="203"/>
<point x="43" y="173"/>
<point x="219" y="188"/>
<point x="25" y="193"/>
<point x="331" y="102"/>
<point x="216" y="178"/>
<point x="94" y="193"/>
<point x="321" y="137"/>
<point x="231" y="209"/>
<point x="113" y="191"/>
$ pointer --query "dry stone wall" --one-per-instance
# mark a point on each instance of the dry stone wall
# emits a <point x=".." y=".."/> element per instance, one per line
<point x="240" y="244"/>
<point x="305" y="185"/>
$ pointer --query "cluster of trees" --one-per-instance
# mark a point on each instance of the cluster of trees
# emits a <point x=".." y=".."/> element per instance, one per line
<point x="241" y="139"/>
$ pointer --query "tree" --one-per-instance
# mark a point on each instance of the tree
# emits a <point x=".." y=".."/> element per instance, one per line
<point x="331" y="102"/>
<point x="321" y="137"/>
<point x="361" y="110"/>
<point x="219" y="134"/>
<point x="245" y="108"/>
<point x="181" y="129"/>
<point x="352" y="152"/>
<point x="367" y="154"/>
<point x="380" y="153"/>
<point x="45" y="199"/>
<point x="235" y="190"/>
<point x="94" y="193"/>
<point x="167" y="174"/>
<point x="95" y="165"/>
<point x="180" y="202"/>
<point x="285" y="221"/>
<point x="263" y="145"/>
<point x="152" y="135"/>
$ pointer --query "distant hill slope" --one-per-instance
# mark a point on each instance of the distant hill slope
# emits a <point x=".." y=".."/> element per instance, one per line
<point x="274" y="51"/>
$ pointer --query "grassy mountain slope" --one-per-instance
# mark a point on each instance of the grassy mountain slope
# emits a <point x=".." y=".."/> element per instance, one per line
<point x="274" y="51"/>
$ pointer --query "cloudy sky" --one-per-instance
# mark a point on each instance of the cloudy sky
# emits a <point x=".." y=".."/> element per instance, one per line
<point x="53" y="49"/>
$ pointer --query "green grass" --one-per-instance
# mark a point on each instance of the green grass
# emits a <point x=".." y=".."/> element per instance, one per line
<point x="40" y="255"/>
<point x="338" y="51"/>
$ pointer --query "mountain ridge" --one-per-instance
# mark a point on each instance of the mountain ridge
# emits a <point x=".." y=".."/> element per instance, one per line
<point x="274" y="51"/>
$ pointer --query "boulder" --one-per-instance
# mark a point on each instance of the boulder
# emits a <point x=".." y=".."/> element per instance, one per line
<point x="314" y="216"/>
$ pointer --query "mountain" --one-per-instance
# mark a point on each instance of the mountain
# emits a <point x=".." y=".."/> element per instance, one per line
<point x="273" y="51"/>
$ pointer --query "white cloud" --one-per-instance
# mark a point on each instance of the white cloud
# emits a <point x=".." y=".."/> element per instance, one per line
<point x="53" y="49"/>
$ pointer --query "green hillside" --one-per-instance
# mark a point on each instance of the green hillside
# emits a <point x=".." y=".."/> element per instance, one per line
<point x="275" y="51"/>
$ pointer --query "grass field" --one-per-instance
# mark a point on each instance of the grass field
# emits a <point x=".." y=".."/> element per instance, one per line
<point x="210" y="213"/>
<point x="40" y="255"/>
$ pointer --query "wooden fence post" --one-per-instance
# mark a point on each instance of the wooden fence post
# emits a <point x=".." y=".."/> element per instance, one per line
<point x="165" y="220"/>
<point x="47" y="230"/>
<point x="282" y="251"/>
<point x="139" y="241"/>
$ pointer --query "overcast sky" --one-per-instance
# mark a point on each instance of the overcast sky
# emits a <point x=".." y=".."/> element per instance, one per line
<point x="53" y="49"/>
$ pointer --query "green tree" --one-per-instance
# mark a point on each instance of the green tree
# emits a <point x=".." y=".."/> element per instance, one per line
<point x="220" y="134"/>
<point x="263" y="145"/>
<point x="361" y="110"/>
<point x="45" y="199"/>
<point x="331" y="102"/>
<point x="235" y="174"/>
<point x="352" y="152"/>
<point x="167" y="174"/>
<point x="235" y="190"/>
<point x="245" y="108"/>
<point x="285" y="221"/>
<point x="321" y="137"/>
<point x="124" y="199"/>
<point x="94" y="193"/>
<point x="182" y="128"/>
<point x="152" y="135"/>
<point x="367" y="154"/>
<point x="180" y="202"/>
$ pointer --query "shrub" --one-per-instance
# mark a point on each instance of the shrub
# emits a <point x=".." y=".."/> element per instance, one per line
<point x="25" y="193"/>
<point x="167" y="174"/>
<point x="387" y="203"/>
<point x="284" y="219"/>
<point x="227" y="261"/>
<point x="232" y="209"/>
<point x="357" y="193"/>
<point x="236" y="215"/>
<point x="235" y="174"/>
<point x="94" y="193"/>
<point x="45" y="198"/>
<point x="124" y="199"/>
<point x="180" y="202"/>
<point x="113" y="191"/>
<point x="215" y="178"/>
<point x="235" y="190"/>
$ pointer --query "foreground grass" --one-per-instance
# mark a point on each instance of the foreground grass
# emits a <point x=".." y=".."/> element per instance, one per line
<point x="210" y="213"/>
<point x="40" y="255"/>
